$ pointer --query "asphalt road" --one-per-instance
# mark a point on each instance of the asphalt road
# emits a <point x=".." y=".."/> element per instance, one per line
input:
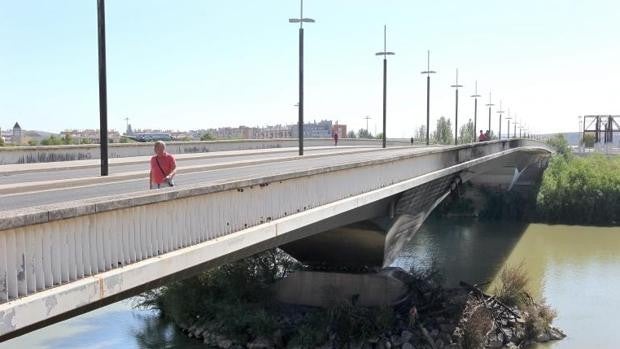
<point x="22" y="200"/>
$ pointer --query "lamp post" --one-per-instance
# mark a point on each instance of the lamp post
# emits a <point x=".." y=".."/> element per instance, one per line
<point x="384" y="53"/>
<point x="500" y="112"/>
<point x="301" y="21"/>
<point x="456" y="108"/>
<point x="515" y="126"/>
<point x="367" y="117"/>
<point x="490" y="105"/>
<point x="103" y="95"/>
<point x="508" y="118"/>
<point x="475" y="96"/>
<point x="428" y="73"/>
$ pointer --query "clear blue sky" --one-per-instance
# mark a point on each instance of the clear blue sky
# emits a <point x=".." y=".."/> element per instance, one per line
<point x="191" y="64"/>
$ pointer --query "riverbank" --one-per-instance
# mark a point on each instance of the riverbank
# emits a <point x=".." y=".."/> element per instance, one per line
<point x="429" y="316"/>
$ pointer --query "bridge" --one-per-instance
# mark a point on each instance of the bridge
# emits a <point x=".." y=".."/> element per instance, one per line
<point x="71" y="241"/>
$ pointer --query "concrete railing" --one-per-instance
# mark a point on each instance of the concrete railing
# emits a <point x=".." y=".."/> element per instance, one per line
<point x="60" y="257"/>
<point x="24" y="155"/>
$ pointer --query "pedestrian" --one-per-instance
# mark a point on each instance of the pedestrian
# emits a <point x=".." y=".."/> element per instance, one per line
<point x="163" y="167"/>
<point x="335" y="138"/>
<point x="481" y="137"/>
<point x="487" y="135"/>
<point x="411" y="140"/>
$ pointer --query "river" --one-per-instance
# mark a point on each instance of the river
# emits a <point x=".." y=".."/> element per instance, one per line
<point x="576" y="269"/>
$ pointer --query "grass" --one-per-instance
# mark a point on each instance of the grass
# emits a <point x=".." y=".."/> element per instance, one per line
<point x="512" y="286"/>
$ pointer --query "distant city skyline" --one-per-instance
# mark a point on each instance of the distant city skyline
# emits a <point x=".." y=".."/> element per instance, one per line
<point x="197" y="65"/>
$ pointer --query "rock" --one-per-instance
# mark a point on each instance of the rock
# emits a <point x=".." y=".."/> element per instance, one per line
<point x="405" y="336"/>
<point x="373" y="340"/>
<point x="434" y="333"/>
<point x="260" y="343"/>
<point x="508" y="334"/>
<point x="367" y="346"/>
<point x="396" y="340"/>
<point x="511" y="345"/>
<point x="494" y="341"/>
<point x="440" y="319"/>
<point x="543" y="337"/>
<point x="407" y="346"/>
<point x="224" y="343"/>
<point x="556" y="334"/>
<point x="439" y="344"/>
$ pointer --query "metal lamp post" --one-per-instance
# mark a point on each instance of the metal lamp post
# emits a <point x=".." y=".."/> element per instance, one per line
<point x="384" y="53"/>
<point x="301" y="20"/>
<point x="428" y="73"/>
<point x="456" y="108"/>
<point x="475" y="96"/>
<point x="103" y="95"/>
<point x="508" y="118"/>
<point x="500" y="112"/>
<point x="490" y="105"/>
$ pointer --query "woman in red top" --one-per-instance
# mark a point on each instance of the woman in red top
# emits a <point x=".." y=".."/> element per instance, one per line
<point x="163" y="167"/>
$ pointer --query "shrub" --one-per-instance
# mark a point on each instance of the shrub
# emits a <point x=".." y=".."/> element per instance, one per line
<point x="538" y="318"/>
<point x="475" y="329"/>
<point x="511" y="288"/>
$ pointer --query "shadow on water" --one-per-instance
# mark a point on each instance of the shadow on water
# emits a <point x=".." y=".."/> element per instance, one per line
<point x="462" y="249"/>
<point x="157" y="332"/>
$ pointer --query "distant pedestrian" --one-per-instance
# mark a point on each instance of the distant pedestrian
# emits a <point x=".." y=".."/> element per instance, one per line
<point x="481" y="137"/>
<point x="487" y="135"/>
<point x="411" y="140"/>
<point x="335" y="138"/>
<point x="163" y="167"/>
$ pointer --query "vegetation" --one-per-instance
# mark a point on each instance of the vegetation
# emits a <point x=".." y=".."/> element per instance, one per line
<point x="467" y="132"/>
<point x="420" y="134"/>
<point x="52" y="140"/>
<point x="207" y="137"/>
<point x="443" y="133"/>
<point x="477" y="327"/>
<point x="1" y="142"/>
<point x="33" y="142"/>
<point x="351" y="134"/>
<point x="588" y="140"/>
<point x="577" y="190"/>
<point x="511" y="288"/>
<point x="363" y="133"/>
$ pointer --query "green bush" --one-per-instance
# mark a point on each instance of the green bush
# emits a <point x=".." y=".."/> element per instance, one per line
<point x="578" y="190"/>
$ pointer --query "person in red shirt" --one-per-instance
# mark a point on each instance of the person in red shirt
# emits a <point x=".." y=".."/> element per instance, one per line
<point x="482" y="137"/>
<point x="163" y="167"/>
<point x="335" y="138"/>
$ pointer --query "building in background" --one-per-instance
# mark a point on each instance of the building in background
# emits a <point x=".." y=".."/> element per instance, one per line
<point x="17" y="134"/>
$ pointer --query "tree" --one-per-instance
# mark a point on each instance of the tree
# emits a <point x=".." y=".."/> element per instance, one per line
<point x="67" y="139"/>
<point x="1" y="141"/>
<point x="443" y="132"/>
<point x="207" y="137"/>
<point x="379" y="135"/>
<point x="32" y="142"/>
<point x="420" y="134"/>
<point x="559" y="143"/>
<point x="363" y="133"/>
<point x="588" y="140"/>
<point x="351" y="134"/>
<point x="467" y="132"/>
<point x="52" y="140"/>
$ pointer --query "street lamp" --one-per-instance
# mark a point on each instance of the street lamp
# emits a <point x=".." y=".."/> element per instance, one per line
<point x="500" y="112"/>
<point x="367" y="117"/>
<point x="301" y="21"/>
<point x="490" y="105"/>
<point x="508" y="118"/>
<point x="456" y="108"/>
<point x="515" y="126"/>
<point x="428" y="73"/>
<point x="103" y="95"/>
<point x="385" y="53"/>
<point x="475" y="96"/>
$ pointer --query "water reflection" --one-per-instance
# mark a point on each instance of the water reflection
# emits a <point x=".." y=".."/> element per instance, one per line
<point x="462" y="249"/>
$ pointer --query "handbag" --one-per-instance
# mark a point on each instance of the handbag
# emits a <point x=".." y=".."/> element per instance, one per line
<point x="169" y="181"/>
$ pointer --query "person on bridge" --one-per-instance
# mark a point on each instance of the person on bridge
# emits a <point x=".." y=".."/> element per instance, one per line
<point x="335" y="138"/>
<point x="482" y="137"/>
<point x="487" y="135"/>
<point x="163" y="167"/>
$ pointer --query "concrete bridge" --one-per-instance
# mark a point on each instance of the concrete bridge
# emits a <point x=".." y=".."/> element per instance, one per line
<point x="83" y="242"/>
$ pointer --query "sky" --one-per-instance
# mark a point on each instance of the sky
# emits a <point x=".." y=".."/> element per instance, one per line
<point x="195" y="64"/>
